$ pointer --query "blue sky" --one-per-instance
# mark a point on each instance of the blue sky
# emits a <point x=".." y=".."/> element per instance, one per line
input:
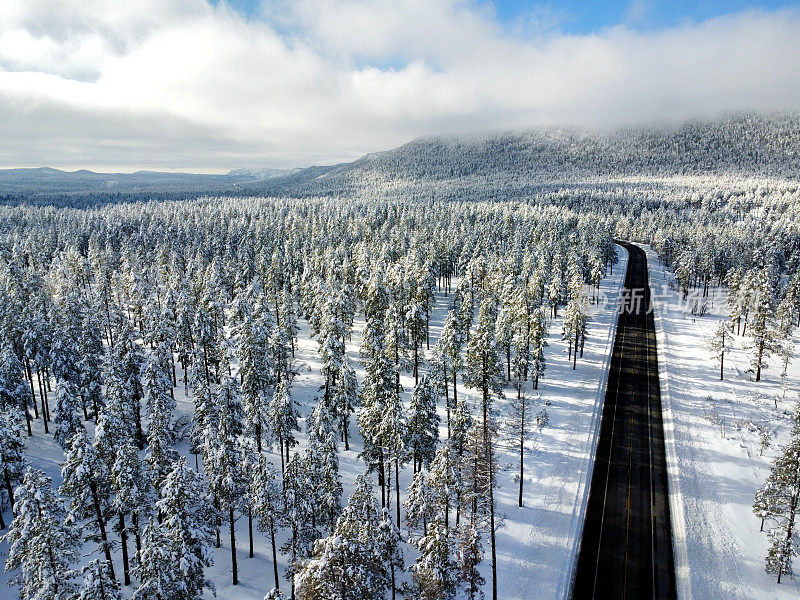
<point x="581" y="17"/>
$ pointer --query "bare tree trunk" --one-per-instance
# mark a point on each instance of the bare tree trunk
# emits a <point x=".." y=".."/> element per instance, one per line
<point x="234" y="564"/>
<point x="123" y="533"/>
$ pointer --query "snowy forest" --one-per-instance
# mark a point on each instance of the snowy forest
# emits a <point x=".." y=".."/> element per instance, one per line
<point x="330" y="388"/>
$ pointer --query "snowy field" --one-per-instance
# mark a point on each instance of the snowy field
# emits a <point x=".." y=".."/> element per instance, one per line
<point x="714" y="431"/>
<point x="536" y="544"/>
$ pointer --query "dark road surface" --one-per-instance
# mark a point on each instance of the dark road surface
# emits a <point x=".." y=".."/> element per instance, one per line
<point x="626" y="548"/>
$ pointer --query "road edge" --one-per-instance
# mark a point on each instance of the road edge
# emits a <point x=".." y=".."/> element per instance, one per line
<point x="579" y="516"/>
<point x="680" y="551"/>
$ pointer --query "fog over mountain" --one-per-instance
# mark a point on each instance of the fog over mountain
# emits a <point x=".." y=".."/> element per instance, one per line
<point x="745" y="145"/>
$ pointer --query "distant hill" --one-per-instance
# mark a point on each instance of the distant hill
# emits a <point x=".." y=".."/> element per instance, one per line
<point x="494" y="164"/>
<point x="744" y="145"/>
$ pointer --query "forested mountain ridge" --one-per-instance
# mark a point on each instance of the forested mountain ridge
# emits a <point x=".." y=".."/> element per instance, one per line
<point x="741" y="145"/>
<point x="497" y="165"/>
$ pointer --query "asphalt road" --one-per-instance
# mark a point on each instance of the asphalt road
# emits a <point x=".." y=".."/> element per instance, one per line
<point x="626" y="548"/>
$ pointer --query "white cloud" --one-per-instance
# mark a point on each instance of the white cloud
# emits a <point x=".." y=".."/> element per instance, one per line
<point x="182" y="84"/>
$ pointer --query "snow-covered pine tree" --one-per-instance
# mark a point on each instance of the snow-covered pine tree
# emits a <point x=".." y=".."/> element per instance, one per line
<point x="155" y="569"/>
<point x="392" y="434"/>
<point x="763" y="331"/>
<point x="133" y="497"/>
<point x="86" y="481"/>
<point x="12" y="455"/>
<point x="538" y="334"/>
<point x="283" y="416"/>
<point x="719" y="342"/>
<point x="389" y="542"/>
<point x="188" y="519"/>
<point x="470" y="555"/>
<point x="99" y="583"/>
<point x="346" y="399"/>
<point x="125" y="366"/>
<point x="483" y="374"/>
<point x="297" y="516"/>
<point x="160" y="404"/>
<point x="423" y="423"/>
<point x="267" y="502"/>
<point x="333" y="331"/>
<point x="434" y="575"/>
<point x="44" y="543"/>
<point x="254" y="370"/>
<point x="443" y="483"/>
<point x="350" y="564"/>
<point x="419" y="504"/>
<point x="449" y="348"/>
<point x="14" y="391"/>
<point x="223" y="460"/>
<point x="322" y="466"/>
<point x="575" y="316"/>
<point x="778" y="500"/>
<point x="462" y="424"/>
<point x="377" y="391"/>
<point x="92" y="361"/>
<point x="67" y="418"/>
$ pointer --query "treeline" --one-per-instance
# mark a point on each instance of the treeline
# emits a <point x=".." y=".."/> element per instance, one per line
<point x="107" y="312"/>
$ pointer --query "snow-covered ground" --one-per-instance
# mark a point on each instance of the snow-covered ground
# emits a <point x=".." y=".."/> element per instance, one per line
<point x="713" y="431"/>
<point x="536" y="544"/>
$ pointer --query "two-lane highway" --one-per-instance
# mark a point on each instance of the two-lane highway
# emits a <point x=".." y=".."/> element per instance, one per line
<point x="626" y="548"/>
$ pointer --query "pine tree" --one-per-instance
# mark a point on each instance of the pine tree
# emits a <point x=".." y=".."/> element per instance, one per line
<point x="254" y="371"/>
<point x="462" y="424"/>
<point x="470" y="555"/>
<point x="283" y="420"/>
<point x="575" y="317"/>
<point x="778" y="502"/>
<point x="434" y="575"/>
<point x="12" y="454"/>
<point x="297" y="516"/>
<point x="133" y="495"/>
<point x="538" y="334"/>
<point x="419" y="504"/>
<point x="87" y="483"/>
<point x="67" y="419"/>
<point x="91" y="363"/>
<point x="346" y="399"/>
<point x="43" y="542"/>
<point x="99" y="583"/>
<point x="483" y="374"/>
<point x="762" y="323"/>
<point x="223" y="459"/>
<point x="518" y="431"/>
<point x="449" y="348"/>
<point x="14" y="392"/>
<point x="378" y="390"/>
<point x="350" y="564"/>
<point x="266" y="500"/>
<point x="719" y="343"/>
<point x="187" y="518"/>
<point x="443" y="484"/>
<point x="392" y="433"/>
<point x="389" y="543"/>
<point x="423" y="423"/>
<point x="322" y="466"/>
<point x="332" y="334"/>
<point x="160" y="404"/>
<point x="125" y="366"/>
<point x="155" y="569"/>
